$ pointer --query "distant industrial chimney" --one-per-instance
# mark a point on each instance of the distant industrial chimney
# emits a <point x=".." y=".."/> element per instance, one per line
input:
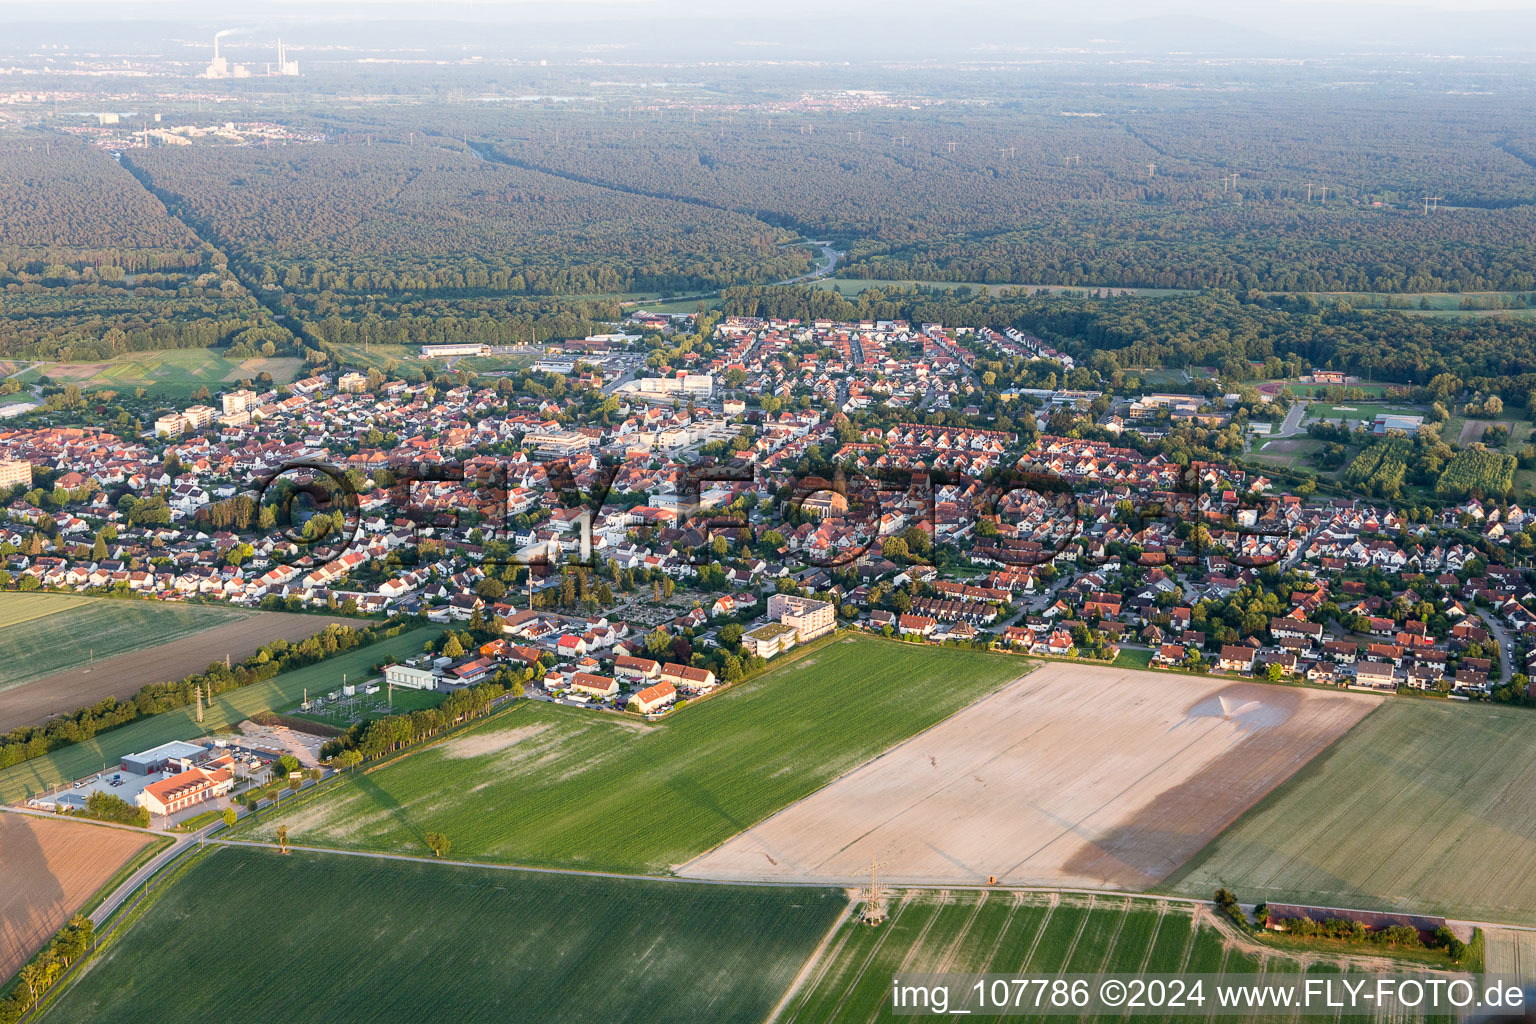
<point x="284" y="65"/>
<point x="218" y="67"/>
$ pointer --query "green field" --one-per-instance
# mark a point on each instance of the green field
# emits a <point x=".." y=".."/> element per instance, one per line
<point x="49" y="633"/>
<point x="346" y="938"/>
<point x="173" y="373"/>
<point x="849" y="286"/>
<point x="72" y="762"/>
<point x="18" y="608"/>
<point x="409" y="361"/>
<point x="1423" y="807"/>
<point x="545" y="784"/>
<point x="1007" y="933"/>
<point x="1361" y="410"/>
<point x="1288" y="452"/>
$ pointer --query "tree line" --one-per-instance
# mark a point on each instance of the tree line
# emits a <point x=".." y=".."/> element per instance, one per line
<point x="29" y="741"/>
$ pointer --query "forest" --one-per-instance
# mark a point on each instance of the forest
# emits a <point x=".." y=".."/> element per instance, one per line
<point x="417" y="216"/>
<point x="1304" y="191"/>
<point x="92" y="265"/>
<point x="441" y="221"/>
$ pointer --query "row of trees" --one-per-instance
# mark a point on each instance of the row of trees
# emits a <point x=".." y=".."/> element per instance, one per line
<point x="367" y="740"/>
<point x="34" y="979"/>
<point x="26" y="742"/>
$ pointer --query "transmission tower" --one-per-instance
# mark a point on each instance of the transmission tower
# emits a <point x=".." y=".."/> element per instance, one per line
<point x="874" y="897"/>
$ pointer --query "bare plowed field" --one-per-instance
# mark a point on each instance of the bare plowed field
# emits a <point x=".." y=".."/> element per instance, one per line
<point x="1075" y="775"/>
<point x="49" y="867"/>
<point x="121" y="676"/>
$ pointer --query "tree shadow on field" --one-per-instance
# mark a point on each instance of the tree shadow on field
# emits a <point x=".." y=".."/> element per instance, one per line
<point x="382" y="798"/>
<point x="29" y="892"/>
<point x="703" y="799"/>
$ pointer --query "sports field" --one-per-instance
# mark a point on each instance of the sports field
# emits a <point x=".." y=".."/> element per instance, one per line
<point x="1078" y="775"/>
<point x="49" y="868"/>
<point x="551" y="785"/>
<point x="47" y="633"/>
<point x="347" y="938"/>
<point x="72" y="762"/>
<point x="970" y="932"/>
<point x="171" y="372"/>
<point x="1423" y="806"/>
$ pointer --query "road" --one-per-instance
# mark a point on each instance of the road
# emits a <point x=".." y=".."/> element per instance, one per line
<point x="184" y="844"/>
<point x="1506" y="644"/>
<point x="181" y="843"/>
<point x="852" y="882"/>
<point x="831" y="255"/>
<point x="1291" y="425"/>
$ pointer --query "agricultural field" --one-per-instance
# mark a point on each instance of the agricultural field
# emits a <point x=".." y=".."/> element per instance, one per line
<point x="420" y="941"/>
<point x="87" y="676"/>
<point x="1477" y="470"/>
<point x="1424" y="806"/>
<point x="976" y="932"/>
<point x="17" y="608"/>
<point x="172" y="373"/>
<point x="544" y="784"/>
<point x="1078" y="776"/>
<point x="49" y="868"/>
<point x="1511" y="952"/>
<point x="225" y="710"/>
<point x="46" y="633"/>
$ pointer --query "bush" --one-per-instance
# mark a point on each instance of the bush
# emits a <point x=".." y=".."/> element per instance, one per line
<point x="111" y="807"/>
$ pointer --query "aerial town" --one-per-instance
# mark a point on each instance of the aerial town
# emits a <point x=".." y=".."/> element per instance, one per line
<point x="640" y="589"/>
<point x="667" y="512"/>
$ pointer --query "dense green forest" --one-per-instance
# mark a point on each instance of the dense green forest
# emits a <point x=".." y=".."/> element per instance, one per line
<point x="436" y="220"/>
<point x="92" y="265"/>
<point x="1299" y="192"/>
<point x="366" y="215"/>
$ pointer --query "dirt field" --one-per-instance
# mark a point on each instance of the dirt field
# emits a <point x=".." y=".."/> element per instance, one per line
<point x="49" y="867"/>
<point x="1075" y="775"/>
<point x="1472" y="430"/>
<point x="122" y="676"/>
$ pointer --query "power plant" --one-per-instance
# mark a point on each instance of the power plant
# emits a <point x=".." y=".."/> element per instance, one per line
<point x="284" y="65"/>
<point x="220" y="67"/>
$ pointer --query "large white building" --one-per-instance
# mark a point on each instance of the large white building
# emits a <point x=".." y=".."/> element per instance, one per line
<point x="15" y="471"/>
<point x="413" y="675"/>
<point x="453" y="351"/>
<point x="808" y="617"/>
<point x="692" y="385"/>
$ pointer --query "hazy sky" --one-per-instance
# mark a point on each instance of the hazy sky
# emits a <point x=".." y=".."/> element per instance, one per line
<point x="857" y="28"/>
